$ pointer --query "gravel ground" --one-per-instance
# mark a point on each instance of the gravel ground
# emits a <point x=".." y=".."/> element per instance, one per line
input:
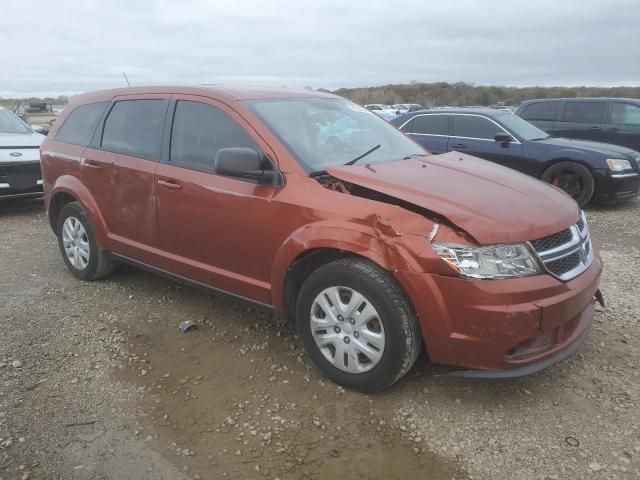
<point x="96" y="381"/>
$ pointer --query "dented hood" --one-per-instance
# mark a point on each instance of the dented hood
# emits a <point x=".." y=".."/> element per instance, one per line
<point x="494" y="204"/>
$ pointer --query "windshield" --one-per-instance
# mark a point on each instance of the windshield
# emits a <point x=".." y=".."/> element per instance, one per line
<point x="521" y="128"/>
<point x="324" y="132"/>
<point x="9" y="123"/>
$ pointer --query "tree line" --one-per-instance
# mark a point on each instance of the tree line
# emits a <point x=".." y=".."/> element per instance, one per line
<point x="461" y="93"/>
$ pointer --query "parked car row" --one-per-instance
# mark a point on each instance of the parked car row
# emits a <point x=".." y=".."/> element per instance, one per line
<point x="389" y="112"/>
<point x="308" y="204"/>
<point x="39" y="115"/>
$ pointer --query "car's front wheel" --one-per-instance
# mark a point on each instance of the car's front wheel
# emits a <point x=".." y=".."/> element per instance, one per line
<point x="357" y="324"/>
<point x="78" y="244"/>
<point x="573" y="178"/>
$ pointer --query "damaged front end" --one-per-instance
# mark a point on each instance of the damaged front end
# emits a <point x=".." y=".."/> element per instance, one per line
<point x="485" y="300"/>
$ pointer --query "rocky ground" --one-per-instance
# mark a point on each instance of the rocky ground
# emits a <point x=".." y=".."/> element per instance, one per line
<point x="96" y="382"/>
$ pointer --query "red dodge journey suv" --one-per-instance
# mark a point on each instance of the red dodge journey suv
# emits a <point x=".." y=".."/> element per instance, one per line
<point x="311" y="205"/>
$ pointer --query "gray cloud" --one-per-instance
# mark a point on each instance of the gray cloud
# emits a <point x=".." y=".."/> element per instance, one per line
<point x="68" y="46"/>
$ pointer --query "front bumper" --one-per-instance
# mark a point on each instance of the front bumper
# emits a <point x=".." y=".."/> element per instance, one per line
<point x="612" y="187"/>
<point x="512" y="325"/>
<point x="20" y="179"/>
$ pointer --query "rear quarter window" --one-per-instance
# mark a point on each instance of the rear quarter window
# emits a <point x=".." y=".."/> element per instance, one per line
<point x="540" y="111"/>
<point x="625" y="114"/>
<point x="79" y="126"/>
<point x="584" y="112"/>
<point x="134" y="127"/>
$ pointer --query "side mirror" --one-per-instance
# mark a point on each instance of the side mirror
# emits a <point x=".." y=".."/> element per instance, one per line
<point x="246" y="163"/>
<point x="503" y="138"/>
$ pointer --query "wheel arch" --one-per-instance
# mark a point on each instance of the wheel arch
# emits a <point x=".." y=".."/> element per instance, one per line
<point x="312" y="246"/>
<point x="568" y="156"/>
<point x="70" y="189"/>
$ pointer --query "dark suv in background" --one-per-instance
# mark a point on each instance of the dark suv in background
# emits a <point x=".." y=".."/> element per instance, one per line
<point x="609" y="120"/>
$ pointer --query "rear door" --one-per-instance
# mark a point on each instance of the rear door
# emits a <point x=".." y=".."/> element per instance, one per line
<point x="214" y="229"/>
<point x="124" y="158"/>
<point x="474" y="134"/>
<point x="583" y="119"/>
<point x="541" y="114"/>
<point x="623" y="127"/>
<point x="430" y="130"/>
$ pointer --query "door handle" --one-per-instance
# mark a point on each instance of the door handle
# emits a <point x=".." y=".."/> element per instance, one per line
<point x="458" y="145"/>
<point x="614" y="129"/>
<point x="92" y="164"/>
<point x="596" y="128"/>
<point x="170" y="184"/>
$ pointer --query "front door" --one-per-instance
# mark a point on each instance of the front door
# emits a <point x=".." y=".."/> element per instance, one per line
<point x="475" y="135"/>
<point x="214" y="229"/>
<point x="582" y="119"/>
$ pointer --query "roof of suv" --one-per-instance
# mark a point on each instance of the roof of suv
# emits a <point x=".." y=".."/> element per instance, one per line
<point x="471" y="110"/>
<point x="581" y="99"/>
<point x="231" y="92"/>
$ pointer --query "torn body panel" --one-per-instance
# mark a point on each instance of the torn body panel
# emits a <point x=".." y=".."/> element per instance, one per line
<point x="488" y="201"/>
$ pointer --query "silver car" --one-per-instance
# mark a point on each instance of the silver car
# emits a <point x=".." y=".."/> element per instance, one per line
<point x="20" y="175"/>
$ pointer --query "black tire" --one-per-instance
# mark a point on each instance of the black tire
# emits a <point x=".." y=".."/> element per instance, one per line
<point x="573" y="178"/>
<point x="401" y="330"/>
<point x="100" y="264"/>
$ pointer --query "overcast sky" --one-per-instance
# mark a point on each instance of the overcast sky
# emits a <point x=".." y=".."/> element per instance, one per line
<point x="51" y="47"/>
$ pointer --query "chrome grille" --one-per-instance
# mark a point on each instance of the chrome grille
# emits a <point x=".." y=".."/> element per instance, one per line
<point x="552" y="241"/>
<point x="565" y="264"/>
<point x="568" y="253"/>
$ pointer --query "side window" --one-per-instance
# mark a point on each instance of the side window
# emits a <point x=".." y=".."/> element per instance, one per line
<point x="408" y="127"/>
<point x="431" y="124"/>
<point x="199" y="131"/>
<point x="474" y="127"/>
<point x="540" y="111"/>
<point x="625" y="114"/>
<point x="134" y="127"/>
<point x="584" y="112"/>
<point x="79" y="126"/>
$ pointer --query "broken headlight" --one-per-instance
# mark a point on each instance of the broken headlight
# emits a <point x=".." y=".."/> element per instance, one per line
<point x="495" y="261"/>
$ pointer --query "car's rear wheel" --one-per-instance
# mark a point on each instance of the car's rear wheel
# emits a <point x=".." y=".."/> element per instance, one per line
<point x="78" y="244"/>
<point x="573" y="178"/>
<point x="357" y="325"/>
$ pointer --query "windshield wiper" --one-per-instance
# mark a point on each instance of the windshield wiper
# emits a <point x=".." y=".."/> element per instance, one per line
<point x="415" y="155"/>
<point x="351" y="162"/>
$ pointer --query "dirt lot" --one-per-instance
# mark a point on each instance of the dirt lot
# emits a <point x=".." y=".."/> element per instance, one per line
<point x="96" y="382"/>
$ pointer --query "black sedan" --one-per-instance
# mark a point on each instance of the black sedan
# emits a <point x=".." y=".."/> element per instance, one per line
<point x="588" y="171"/>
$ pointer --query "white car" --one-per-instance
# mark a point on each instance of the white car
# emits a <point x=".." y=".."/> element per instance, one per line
<point x="20" y="175"/>
<point x="401" y="107"/>
<point x="385" y="111"/>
